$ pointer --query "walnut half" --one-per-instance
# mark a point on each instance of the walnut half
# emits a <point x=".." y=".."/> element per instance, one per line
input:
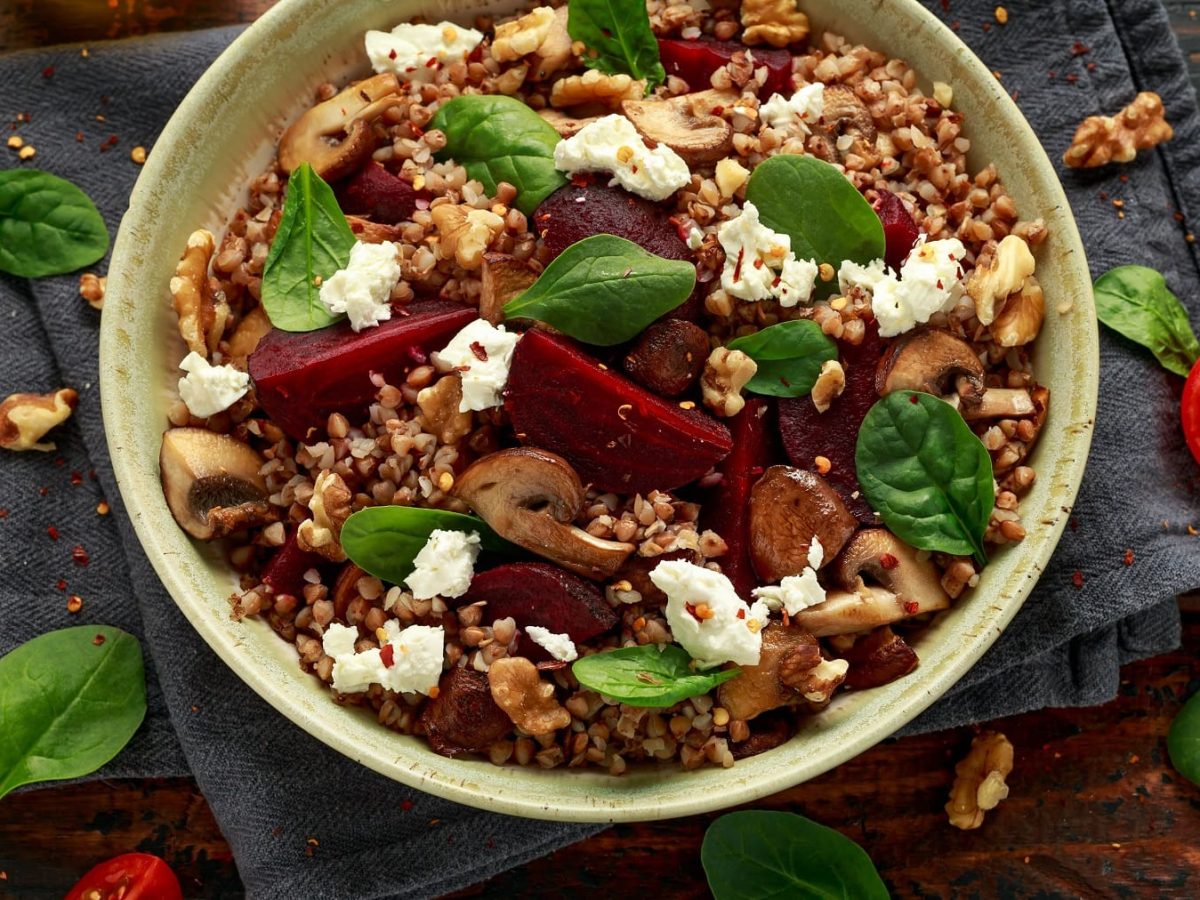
<point x="25" y="418"/>
<point x="725" y="374"/>
<point x="996" y="277"/>
<point x="465" y="232"/>
<point x="518" y="689"/>
<point x="1100" y="140"/>
<point x="774" y="22"/>
<point x="330" y="506"/>
<point x="979" y="780"/>
<point x="202" y="313"/>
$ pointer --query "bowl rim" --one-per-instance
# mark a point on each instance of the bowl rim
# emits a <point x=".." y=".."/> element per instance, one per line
<point x="424" y="773"/>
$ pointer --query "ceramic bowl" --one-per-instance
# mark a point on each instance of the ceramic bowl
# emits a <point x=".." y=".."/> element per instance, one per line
<point x="225" y="131"/>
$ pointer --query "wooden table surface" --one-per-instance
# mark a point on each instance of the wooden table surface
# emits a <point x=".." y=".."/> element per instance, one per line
<point x="1095" y="808"/>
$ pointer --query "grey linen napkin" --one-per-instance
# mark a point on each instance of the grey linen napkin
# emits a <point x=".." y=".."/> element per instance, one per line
<point x="270" y="785"/>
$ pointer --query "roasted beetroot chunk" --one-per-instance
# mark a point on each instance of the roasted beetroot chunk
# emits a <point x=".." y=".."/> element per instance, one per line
<point x="900" y="232"/>
<point x="544" y="595"/>
<point x="589" y="207"/>
<point x="284" y="574"/>
<point x="833" y="434"/>
<point x="375" y="192"/>
<point x="302" y="378"/>
<point x="617" y="435"/>
<point x="695" y="61"/>
<point x="463" y="717"/>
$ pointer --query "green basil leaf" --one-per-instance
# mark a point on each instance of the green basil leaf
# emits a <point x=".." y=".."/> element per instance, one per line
<point x="69" y="702"/>
<point x="1183" y="741"/>
<point x="47" y="225"/>
<point x="646" y="676"/>
<point x="604" y="290"/>
<point x="926" y="473"/>
<point x="619" y="34"/>
<point x="498" y="138"/>
<point x="384" y="540"/>
<point x="826" y="217"/>
<point x="758" y="854"/>
<point x="789" y="356"/>
<point x="1136" y="302"/>
<point x="313" y="241"/>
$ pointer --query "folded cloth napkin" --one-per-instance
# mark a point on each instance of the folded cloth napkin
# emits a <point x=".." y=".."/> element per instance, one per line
<point x="271" y="786"/>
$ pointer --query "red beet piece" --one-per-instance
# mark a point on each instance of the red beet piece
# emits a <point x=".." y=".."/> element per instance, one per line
<point x="580" y="210"/>
<point x="544" y="595"/>
<point x="833" y="434"/>
<point x="302" y="378"/>
<point x="375" y="192"/>
<point x="900" y="232"/>
<point x="695" y="61"/>
<point x="617" y="435"/>
<point x="284" y="574"/>
<point x="727" y="508"/>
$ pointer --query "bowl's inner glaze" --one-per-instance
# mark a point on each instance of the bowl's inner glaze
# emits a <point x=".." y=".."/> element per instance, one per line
<point x="225" y="132"/>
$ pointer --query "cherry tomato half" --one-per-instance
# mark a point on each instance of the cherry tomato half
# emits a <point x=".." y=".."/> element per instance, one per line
<point x="131" y="876"/>
<point x="1190" y="411"/>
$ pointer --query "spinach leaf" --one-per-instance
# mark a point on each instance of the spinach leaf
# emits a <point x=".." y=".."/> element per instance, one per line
<point x="69" y="701"/>
<point x="755" y="854"/>
<point x="313" y="241"/>
<point x="811" y="202"/>
<point x="384" y="540"/>
<point x="619" y="35"/>
<point x="926" y="473"/>
<point x="789" y="357"/>
<point x="47" y="225"/>
<point x="1183" y="741"/>
<point x="498" y="138"/>
<point x="604" y="290"/>
<point x="646" y="676"/>
<point x="1136" y="302"/>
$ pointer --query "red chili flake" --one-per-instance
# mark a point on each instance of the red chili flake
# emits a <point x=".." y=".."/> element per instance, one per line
<point x="945" y="5"/>
<point x="1052" y="73"/>
<point x="912" y="607"/>
<point x="98" y="640"/>
<point x="741" y="614"/>
<point x="417" y="355"/>
<point x="109" y="143"/>
<point x="60" y="462"/>
<point x="987" y="26"/>
<point x="4" y="512"/>
<point x="939" y="285"/>
<point x="888" y="561"/>
<point x="1072" y="78"/>
<point x="737" y="269"/>
<point x="61" y="584"/>
<point x="387" y="655"/>
<point x="1080" y="49"/>
<point x="48" y="72"/>
<point x="1077" y="578"/>
<point x="1129" y="557"/>
<point x="1074" y="524"/>
<point x="913" y="400"/>
<point x="43" y="491"/>
<point x="1091" y="67"/>
<point x="91" y="474"/>
<point x="755" y="471"/>
<point x="432" y="63"/>
<point x="76" y="478"/>
<point x="392" y="53"/>
<point x="52" y="533"/>
<point x="80" y="556"/>
<point x="405" y="805"/>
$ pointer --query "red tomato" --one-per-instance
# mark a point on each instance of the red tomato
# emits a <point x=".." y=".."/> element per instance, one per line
<point x="131" y="876"/>
<point x="1190" y="411"/>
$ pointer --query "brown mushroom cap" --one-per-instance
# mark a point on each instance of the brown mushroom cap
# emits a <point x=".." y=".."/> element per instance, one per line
<point x="335" y="137"/>
<point x="202" y="470"/>
<point x="879" y="658"/>
<point x="759" y="689"/>
<point x="925" y="360"/>
<point x="788" y="508"/>
<point x="502" y="277"/>
<point x="844" y="113"/>
<point x="530" y="497"/>
<point x="685" y="124"/>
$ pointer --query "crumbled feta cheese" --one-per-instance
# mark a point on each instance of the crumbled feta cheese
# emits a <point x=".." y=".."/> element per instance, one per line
<point x="209" y="389"/>
<point x="930" y="281"/>
<point x="707" y="617"/>
<point x="445" y="565"/>
<point x="797" y="592"/>
<point x="413" y="664"/>
<point x="482" y="353"/>
<point x="760" y="264"/>
<point x="695" y="237"/>
<point x="560" y="646"/>
<point x="612" y="144"/>
<point x="816" y="553"/>
<point x="416" y="52"/>
<point x="363" y="290"/>
<point x="803" y="108"/>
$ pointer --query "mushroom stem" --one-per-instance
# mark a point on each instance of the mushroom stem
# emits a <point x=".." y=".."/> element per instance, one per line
<point x="997" y="403"/>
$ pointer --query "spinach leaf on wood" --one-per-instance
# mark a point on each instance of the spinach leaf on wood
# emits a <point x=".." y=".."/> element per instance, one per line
<point x="48" y="226"/>
<point x="1136" y="302"/>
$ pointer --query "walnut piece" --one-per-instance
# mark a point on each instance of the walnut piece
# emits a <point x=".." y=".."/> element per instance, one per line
<point x="829" y="384"/>
<point x="202" y="313"/>
<point x="91" y="289"/>
<point x="330" y="505"/>
<point x="439" y="406"/>
<point x="774" y="22"/>
<point x="805" y="671"/>
<point x="979" y="780"/>
<point x="725" y="374"/>
<point x="25" y="418"/>
<point x="540" y="34"/>
<point x="994" y="278"/>
<point x="593" y="86"/>
<point x="244" y="340"/>
<point x="1100" y="140"/>
<point x="465" y="232"/>
<point x="518" y="689"/>
<point x="1019" y="322"/>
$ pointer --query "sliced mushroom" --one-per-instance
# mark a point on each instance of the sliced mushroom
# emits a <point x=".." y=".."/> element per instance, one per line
<point x="201" y="471"/>
<point x="335" y="137"/>
<point x="926" y="360"/>
<point x="373" y="232"/>
<point x="699" y="137"/>
<point x="848" y="612"/>
<point x="844" y="115"/>
<point x="788" y="508"/>
<point x="879" y="658"/>
<point x="503" y="277"/>
<point x="759" y="688"/>
<point x="1001" y="403"/>
<point x="530" y="497"/>
<point x="566" y="125"/>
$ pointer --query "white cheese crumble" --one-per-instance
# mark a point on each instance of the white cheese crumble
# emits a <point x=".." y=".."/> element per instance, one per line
<point x="413" y="665"/>
<point x="482" y="353"/>
<point x="612" y="144"/>
<point x="707" y="617"/>
<point x="930" y="281"/>
<point x="760" y="264"/>
<point x="695" y="237"/>
<point x="445" y="565"/>
<point x="803" y="108"/>
<point x="415" y="52"/>
<point x="797" y="592"/>
<point x="560" y="646"/>
<point x="363" y="290"/>
<point x="209" y="389"/>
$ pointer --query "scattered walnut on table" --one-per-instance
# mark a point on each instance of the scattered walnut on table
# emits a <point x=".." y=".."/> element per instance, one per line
<point x="1100" y="140"/>
<point x="998" y="275"/>
<point x="465" y="232"/>
<point x="25" y="418"/>
<point x="593" y="86"/>
<point x="725" y="374"/>
<point x="91" y="289"/>
<point x="829" y="384"/>
<point x="979" y="780"/>
<point x="202" y="312"/>
<point x="330" y="506"/>
<point x="518" y="689"/>
<point x="774" y="22"/>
